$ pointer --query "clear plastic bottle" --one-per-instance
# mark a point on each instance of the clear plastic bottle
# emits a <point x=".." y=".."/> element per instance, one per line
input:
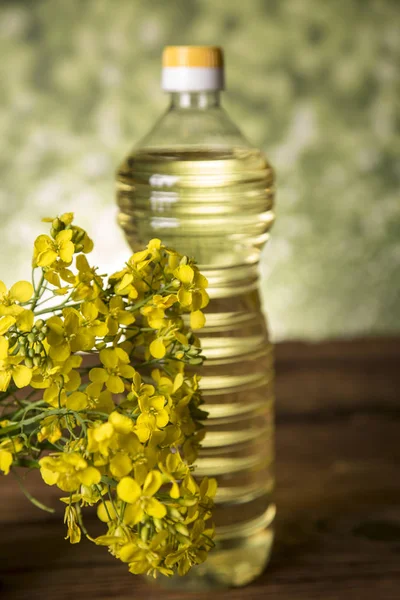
<point x="199" y="186"/>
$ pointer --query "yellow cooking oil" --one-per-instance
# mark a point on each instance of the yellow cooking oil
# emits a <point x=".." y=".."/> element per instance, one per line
<point x="214" y="202"/>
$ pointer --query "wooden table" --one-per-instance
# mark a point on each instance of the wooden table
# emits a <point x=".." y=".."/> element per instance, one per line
<point x="338" y="495"/>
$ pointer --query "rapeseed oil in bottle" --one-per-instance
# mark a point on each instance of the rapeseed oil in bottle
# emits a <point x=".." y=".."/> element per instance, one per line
<point x="198" y="185"/>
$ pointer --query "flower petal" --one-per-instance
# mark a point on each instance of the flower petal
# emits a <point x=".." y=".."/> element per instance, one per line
<point x="46" y="258"/>
<point x="89" y="311"/>
<point x="162" y="418"/>
<point x="127" y="371"/>
<point x="6" y="459"/>
<point x="115" y="384"/>
<point x="25" y="321"/>
<point x="184" y="273"/>
<point x="109" y="358"/>
<point x="120" y="465"/>
<point x="48" y="476"/>
<point x="4" y="344"/>
<point x="22" y="291"/>
<point x="61" y="352"/>
<point x="152" y="483"/>
<point x="90" y="476"/>
<point x="106" y="511"/>
<point x="133" y="514"/>
<point x="98" y="375"/>
<point x="22" y="376"/>
<point x="155" y="509"/>
<point x="128" y="490"/>
<point x="197" y="319"/>
<point x="157" y="349"/>
<point x="5" y="323"/>
<point x="121" y="423"/>
<point x="77" y="401"/>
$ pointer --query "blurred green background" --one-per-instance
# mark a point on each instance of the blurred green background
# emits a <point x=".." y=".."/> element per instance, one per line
<point x="314" y="83"/>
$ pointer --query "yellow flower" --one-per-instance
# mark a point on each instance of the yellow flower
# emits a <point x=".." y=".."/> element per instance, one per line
<point x="123" y="440"/>
<point x="50" y="429"/>
<point x="102" y="439"/>
<point x="8" y="448"/>
<point x="194" y="551"/>
<point x="141" y="500"/>
<point x="113" y="436"/>
<point x="153" y="416"/>
<point x="22" y="291"/>
<point x="191" y="446"/>
<point x="62" y="372"/>
<point x="68" y="471"/>
<point x="65" y="218"/>
<point x="192" y="293"/>
<point x="116" y="314"/>
<point x="68" y="335"/>
<point x="11" y="369"/>
<point x="155" y="310"/>
<point x="10" y="311"/>
<point x="6" y="459"/>
<point x="99" y="400"/>
<point x="185" y="274"/>
<point x="165" y="385"/>
<point x="74" y="531"/>
<point x="115" y="370"/>
<point x="146" y="556"/>
<point x="125" y="285"/>
<point x="87" y="283"/>
<point x="174" y="470"/>
<point x="139" y="388"/>
<point x="91" y="323"/>
<point x="47" y="251"/>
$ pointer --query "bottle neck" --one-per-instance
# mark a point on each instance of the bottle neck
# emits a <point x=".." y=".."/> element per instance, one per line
<point x="195" y="100"/>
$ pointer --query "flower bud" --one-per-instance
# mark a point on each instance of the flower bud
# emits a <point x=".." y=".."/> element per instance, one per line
<point x="57" y="224"/>
<point x="37" y="360"/>
<point x="144" y="534"/>
<point x="79" y="235"/>
<point x="181" y="528"/>
<point x="158" y="524"/>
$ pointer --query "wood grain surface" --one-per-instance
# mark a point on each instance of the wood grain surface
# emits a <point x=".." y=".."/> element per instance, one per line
<point x="338" y="495"/>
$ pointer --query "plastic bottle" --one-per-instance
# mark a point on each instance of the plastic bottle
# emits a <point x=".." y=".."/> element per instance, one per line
<point x="198" y="185"/>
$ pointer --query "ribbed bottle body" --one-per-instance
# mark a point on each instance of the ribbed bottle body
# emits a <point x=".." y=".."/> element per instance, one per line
<point x="217" y="206"/>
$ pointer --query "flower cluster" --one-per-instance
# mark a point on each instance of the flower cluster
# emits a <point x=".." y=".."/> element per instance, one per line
<point x="94" y="393"/>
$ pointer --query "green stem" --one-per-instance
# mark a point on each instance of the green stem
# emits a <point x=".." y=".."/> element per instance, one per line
<point x="52" y="309"/>
<point x="48" y="413"/>
<point x="23" y="411"/>
<point x="30" y="497"/>
<point x="38" y="291"/>
<point x="80" y="519"/>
